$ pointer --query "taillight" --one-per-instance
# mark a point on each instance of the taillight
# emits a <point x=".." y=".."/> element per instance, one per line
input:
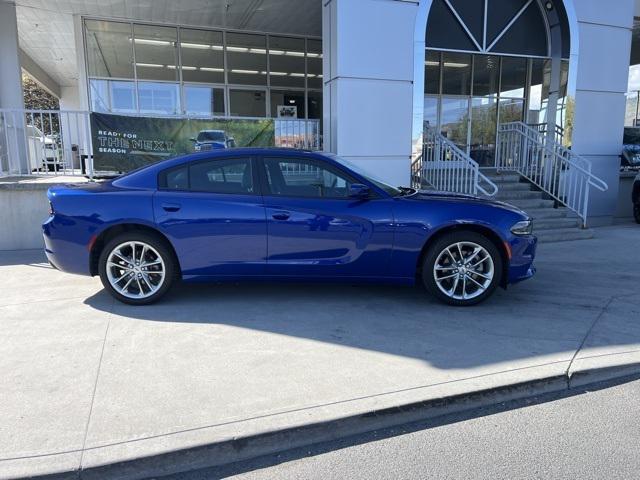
<point x="50" y="208"/>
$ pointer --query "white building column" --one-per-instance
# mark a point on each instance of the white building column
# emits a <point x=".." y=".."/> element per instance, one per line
<point x="11" y="95"/>
<point x="368" y="89"/>
<point x="602" y="77"/>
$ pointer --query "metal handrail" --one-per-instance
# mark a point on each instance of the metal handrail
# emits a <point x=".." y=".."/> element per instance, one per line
<point x="447" y="168"/>
<point x="556" y="170"/>
<point x="544" y="127"/>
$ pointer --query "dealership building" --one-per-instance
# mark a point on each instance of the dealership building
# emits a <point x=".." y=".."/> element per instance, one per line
<point x="442" y="93"/>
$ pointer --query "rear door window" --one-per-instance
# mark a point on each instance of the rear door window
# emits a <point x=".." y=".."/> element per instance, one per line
<point x="228" y="176"/>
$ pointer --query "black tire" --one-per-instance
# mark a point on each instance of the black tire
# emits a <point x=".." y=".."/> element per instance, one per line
<point x="636" y="212"/>
<point x="160" y="246"/>
<point x="438" y="247"/>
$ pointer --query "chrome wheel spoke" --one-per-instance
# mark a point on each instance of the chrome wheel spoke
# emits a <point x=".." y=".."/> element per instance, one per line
<point x="126" y="260"/>
<point x="486" y="277"/>
<point x="477" y="283"/>
<point x="150" y="264"/>
<point x="473" y="255"/>
<point x="464" y="287"/>
<point x="480" y="261"/>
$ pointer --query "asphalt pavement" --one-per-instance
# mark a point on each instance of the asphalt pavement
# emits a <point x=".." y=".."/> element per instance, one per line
<point x="591" y="434"/>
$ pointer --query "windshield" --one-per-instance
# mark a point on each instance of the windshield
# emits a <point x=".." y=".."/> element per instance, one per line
<point x="211" y="136"/>
<point x="393" y="191"/>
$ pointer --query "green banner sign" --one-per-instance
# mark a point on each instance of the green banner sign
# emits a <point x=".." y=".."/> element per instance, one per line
<point x="122" y="143"/>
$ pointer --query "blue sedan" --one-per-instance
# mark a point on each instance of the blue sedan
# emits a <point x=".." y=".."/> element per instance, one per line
<point x="281" y="215"/>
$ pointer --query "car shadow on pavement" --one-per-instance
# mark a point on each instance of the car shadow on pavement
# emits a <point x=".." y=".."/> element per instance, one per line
<point x="400" y="321"/>
<point x="580" y="290"/>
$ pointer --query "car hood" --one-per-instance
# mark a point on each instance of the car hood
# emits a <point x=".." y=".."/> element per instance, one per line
<point x="431" y="195"/>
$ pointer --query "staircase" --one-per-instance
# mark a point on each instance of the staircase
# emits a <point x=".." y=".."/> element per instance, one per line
<point x="550" y="224"/>
<point x="533" y="172"/>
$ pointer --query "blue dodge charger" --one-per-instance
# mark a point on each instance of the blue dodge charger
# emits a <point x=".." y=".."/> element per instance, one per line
<point x="281" y="215"/>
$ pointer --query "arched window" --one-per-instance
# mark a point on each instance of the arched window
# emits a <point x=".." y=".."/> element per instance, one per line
<point x="498" y="27"/>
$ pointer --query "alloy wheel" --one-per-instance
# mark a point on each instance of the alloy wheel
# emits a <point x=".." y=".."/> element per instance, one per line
<point x="463" y="270"/>
<point x="135" y="269"/>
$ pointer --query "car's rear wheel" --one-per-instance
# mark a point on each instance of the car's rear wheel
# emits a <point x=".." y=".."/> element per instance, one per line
<point x="636" y="212"/>
<point x="462" y="268"/>
<point x="137" y="268"/>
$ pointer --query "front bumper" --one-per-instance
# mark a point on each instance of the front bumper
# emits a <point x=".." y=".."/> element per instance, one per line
<point x="523" y="252"/>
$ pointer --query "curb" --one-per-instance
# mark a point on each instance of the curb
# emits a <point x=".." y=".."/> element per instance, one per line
<point x="270" y="442"/>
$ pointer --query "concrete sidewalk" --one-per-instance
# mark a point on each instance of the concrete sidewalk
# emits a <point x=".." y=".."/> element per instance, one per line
<point x="88" y="382"/>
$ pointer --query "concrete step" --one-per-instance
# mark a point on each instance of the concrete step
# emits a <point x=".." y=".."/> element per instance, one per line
<point x="507" y="195"/>
<point x="530" y="203"/>
<point x="503" y="178"/>
<point x="511" y="186"/>
<point x="545" y="213"/>
<point x="543" y="224"/>
<point x="564" y="235"/>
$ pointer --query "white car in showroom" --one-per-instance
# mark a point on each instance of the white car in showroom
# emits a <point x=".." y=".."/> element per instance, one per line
<point x="44" y="150"/>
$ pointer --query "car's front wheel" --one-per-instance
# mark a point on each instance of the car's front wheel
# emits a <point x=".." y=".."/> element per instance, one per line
<point x="462" y="268"/>
<point x="137" y="268"/>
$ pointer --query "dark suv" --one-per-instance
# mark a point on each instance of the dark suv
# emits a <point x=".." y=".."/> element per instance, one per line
<point x="212" y="140"/>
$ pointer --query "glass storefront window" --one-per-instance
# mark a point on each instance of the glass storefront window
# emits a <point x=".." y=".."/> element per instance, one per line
<point x="514" y="77"/>
<point x="314" y="63"/>
<point x="314" y="109"/>
<point x="431" y="111"/>
<point x="286" y="62"/>
<point x="247" y="103"/>
<point x="156" y="52"/>
<point x="247" y="59"/>
<point x="486" y="73"/>
<point x="539" y="91"/>
<point x="287" y="104"/>
<point x="99" y="95"/>
<point x="123" y="96"/>
<point x="483" y="130"/>
<point x="510" y="110"/>
<point x="454" y="122"/>
<point x="456" y="74"/>
<point x="161" y="98"/>
<point x="432" y="73"/>
<point x="202" y="56"/>
<point x="195" y="71"/>
<point x="205" y="101"/>
<point x="109" y="49"/>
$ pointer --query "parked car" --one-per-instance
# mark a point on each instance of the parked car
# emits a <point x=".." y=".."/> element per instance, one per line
<point x="279" y="214"/>
<point x="635" y="198"/>
<point x="44" y="150"/>
<point x="212" y="140"/>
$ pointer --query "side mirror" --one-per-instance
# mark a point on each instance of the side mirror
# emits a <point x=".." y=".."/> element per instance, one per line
<point x="193" y="140"/>
<point x="357" y="190"/>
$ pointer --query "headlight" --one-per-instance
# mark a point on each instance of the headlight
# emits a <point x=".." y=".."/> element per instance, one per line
<point x="525" y="227"/>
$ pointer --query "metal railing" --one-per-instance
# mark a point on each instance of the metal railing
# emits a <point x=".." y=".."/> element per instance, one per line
<point x="48" y="142"/>
<point x="58" y="142"/>
<point x="543" y="127"/>
<point x="297" y="133"/>
<point x="556" y="170"/>
<point x="447" y="168"/>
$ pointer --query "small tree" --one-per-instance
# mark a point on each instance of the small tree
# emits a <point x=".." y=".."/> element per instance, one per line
<point x="37" y="98"/>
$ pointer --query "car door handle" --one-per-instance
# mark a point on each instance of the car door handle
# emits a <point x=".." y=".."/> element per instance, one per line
<point x="171" y="207"/>
<point x="281" y="216"/>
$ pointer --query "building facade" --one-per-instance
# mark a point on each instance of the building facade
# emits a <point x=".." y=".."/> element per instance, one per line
<point x="375" y="74"/>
